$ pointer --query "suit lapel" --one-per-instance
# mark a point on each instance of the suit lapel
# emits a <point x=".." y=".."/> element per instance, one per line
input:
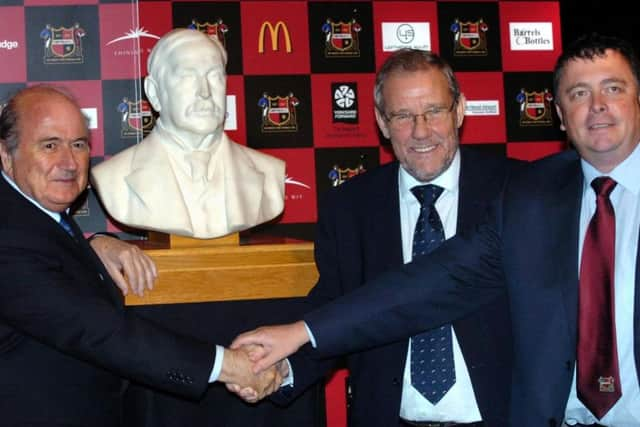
<point x="384" y="221"/>
<point x="240" y="174"/>
<point x="564" y="225"/>
<point x="474" y="193"/>
<point x="163" y="184"/>
<point x="101" y="277"/>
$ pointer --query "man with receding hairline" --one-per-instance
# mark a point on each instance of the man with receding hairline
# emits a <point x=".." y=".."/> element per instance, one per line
<point x="65" y="339"/>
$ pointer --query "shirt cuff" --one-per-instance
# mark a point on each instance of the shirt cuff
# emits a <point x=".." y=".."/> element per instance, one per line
<point x="312" y="339"/>
<point x="217" y="364"/>
<point x="288" y="380"/>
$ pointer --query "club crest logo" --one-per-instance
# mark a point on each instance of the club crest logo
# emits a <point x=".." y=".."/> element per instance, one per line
<point x="341" y="38"/>
<point x="137" y="118"/>
<point x="469" y="38"/>
<point x="218" y="29"/>
<point x="606" y="384"/>
<point x="63" y="45"/>
<point x="278" y="113"/>
<point x="535" y="108"/>
<point x="338" y="175"/>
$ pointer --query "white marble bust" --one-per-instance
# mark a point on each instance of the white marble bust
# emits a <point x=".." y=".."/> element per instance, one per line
<point x="187" y="177"/>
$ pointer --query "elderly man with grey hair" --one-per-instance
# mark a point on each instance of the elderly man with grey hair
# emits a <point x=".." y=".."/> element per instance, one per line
<point x="187" y="177"/>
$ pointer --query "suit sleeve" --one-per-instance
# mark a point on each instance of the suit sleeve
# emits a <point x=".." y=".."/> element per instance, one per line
<point x="47" y="295"/>
<point x="464" y="274"/>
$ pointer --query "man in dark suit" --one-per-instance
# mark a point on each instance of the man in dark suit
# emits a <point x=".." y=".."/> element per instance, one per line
<point x="366" y="227"/>
<point x="65" y="339"/>
<point x="562" y="242"/>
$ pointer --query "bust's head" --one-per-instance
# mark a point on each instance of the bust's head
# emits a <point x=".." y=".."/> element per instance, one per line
<point x="187" y="84"/>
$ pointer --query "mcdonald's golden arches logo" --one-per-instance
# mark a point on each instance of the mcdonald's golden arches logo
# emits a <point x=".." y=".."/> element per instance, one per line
<point x="274" y="33"/>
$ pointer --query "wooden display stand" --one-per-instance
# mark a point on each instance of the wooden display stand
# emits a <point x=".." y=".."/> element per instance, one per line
<point x="196" y="270"/>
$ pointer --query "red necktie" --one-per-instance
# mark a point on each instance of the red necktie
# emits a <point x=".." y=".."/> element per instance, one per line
<point x="598" y="381"/>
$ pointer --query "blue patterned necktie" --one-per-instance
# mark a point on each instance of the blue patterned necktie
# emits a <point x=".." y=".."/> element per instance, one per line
<point x="432" y="368"/>
<point x="64" y="222"/>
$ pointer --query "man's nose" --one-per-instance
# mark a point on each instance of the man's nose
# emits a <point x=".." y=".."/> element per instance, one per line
<point x="67" y="157"/>
<point x="421" y="126"/>
<point x="598" y="102"/>
<point x="204" y="91"/>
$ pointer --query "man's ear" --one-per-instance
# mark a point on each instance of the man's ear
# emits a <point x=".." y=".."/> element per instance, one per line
<point x="151" y="89"/>
<point x="559" y="111"/>
<point x="459" y="110"/>
<point x="382" y="123"/>
<point x="7" y="159"/>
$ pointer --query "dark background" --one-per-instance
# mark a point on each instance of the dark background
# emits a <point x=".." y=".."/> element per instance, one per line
<point x="610" y="17"/>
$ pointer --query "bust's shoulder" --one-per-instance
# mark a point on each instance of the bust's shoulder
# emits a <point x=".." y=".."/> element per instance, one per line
<point x="259" y="159"/>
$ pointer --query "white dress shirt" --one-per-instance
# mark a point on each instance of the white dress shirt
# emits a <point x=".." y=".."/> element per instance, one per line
<point x="626" y="204"/>
<point x="459" y="404"/>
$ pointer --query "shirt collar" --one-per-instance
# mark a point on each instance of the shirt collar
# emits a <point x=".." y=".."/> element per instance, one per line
<point x="625" y="174"/>
<point x="54" y="215"/>
<point x="447" y="179"/>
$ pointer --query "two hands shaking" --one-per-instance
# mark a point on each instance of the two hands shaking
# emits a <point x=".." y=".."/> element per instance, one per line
<point x="255" y="365"/>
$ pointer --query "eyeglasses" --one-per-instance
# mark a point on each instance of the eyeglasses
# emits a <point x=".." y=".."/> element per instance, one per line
<point x="432" y="116"/>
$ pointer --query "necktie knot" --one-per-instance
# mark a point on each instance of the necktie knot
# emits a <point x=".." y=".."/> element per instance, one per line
<point x="603" y="186"/>
<point x="427" y="194"/>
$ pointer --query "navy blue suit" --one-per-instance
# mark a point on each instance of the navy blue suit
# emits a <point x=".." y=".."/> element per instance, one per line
<point x="528" y="249"/>
<point x="65" y="338"/>
<point x="358" y="238"/>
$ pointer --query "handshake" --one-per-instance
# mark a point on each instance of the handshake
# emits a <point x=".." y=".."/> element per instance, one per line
<point x="255" y="366"/>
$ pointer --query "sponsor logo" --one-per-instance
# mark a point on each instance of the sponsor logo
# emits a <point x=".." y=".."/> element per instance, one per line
<point x="278" y="113"/>
<point x="469" y="37"/>
<point x="345" y="102"/>
<point x="337" y="175"/>
<point x="9" y="44"/>
<point x="400" y="35"/>
<point x="531" y="35"/>
<point x="290" y="181"/>
<point x="274" y="34"/>
<point x="63" y="45"/>
<point x="136" y="118"/>
<point x="482" y="108"/>
<point x="535" y="107"/>
<point x="134" y="34"/>
<point x="341" y="38"/>
<point x="218" y="29"/>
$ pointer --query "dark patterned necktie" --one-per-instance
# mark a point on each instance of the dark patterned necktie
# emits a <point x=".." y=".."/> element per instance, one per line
<point x="598" y="377"/>
<point x="432" y="368"/>
<point x="66" y="224"/>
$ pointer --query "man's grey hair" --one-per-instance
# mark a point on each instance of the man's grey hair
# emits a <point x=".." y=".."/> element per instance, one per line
<point x="413" y="60"/>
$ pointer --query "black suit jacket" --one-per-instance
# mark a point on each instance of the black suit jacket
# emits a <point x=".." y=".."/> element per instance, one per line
<point x="358" y="238"/>
<point x="529" y="249"/>
<point x="65" y="339"/>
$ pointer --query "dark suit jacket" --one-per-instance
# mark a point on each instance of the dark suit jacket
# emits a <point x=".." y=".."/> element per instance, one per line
<point x="358" y="238"/>
<point x="529" y="249"/>
<point x="65" y="339"/>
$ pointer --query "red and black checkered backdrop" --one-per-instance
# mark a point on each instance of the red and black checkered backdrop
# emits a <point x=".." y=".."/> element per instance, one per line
<point x="300" y="76"/>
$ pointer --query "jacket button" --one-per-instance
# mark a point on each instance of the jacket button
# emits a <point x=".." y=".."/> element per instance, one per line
<point x="395" y="381"/>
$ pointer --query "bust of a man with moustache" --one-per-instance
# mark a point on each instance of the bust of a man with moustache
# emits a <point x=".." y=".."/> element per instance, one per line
<point x="187" y="177"/>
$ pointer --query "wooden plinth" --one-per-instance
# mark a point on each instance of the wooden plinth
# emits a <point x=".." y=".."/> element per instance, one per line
<point x="195" y="270"/>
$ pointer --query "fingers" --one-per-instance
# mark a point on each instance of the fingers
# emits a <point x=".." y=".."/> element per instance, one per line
<point x="139" y="269"/>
